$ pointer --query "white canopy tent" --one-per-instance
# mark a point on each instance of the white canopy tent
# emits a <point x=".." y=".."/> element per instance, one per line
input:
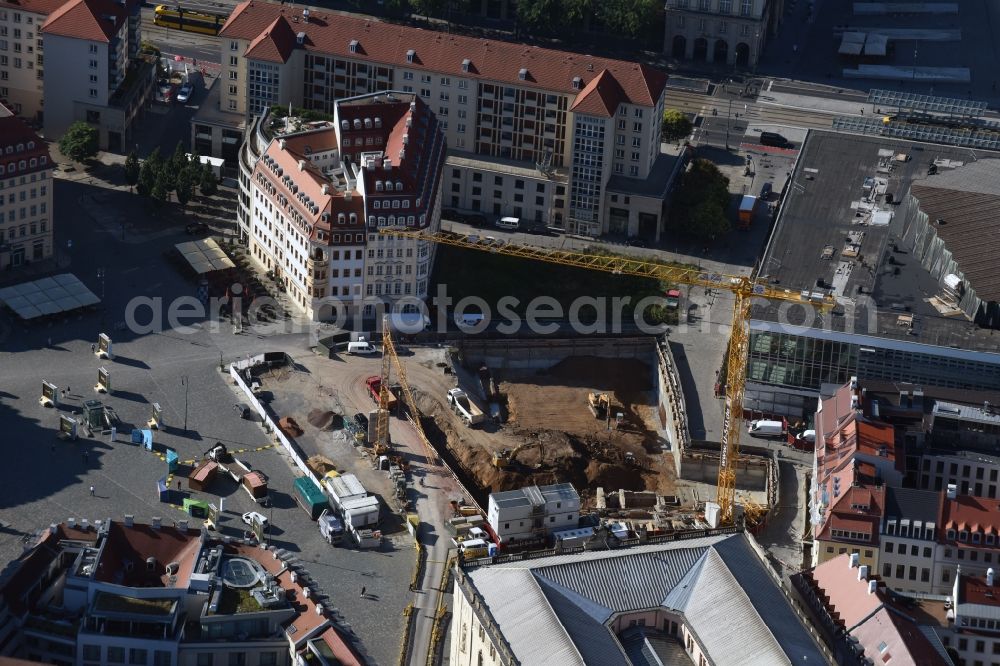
<point x="51" y="295"/>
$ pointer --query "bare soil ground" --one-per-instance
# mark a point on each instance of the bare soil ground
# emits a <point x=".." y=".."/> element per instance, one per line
<point x="560" y="439"/>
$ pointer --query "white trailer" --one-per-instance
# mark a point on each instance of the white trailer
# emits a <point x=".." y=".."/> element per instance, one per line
<point x="360" y="512"/>
<point x="463" y="405"/>
<point x="342" y="488"/>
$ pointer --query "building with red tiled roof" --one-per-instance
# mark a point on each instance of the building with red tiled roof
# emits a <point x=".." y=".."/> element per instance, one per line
<point x="518" y="119"/>
<point x="316" y="198"/>
<point x="21" y="22"/>
<point x="96" y="593"/>
<point x="92" y="60"/>
<point x="855" y="458"/>
<point x="863" y="622"/>
<point x="26" y="205"/>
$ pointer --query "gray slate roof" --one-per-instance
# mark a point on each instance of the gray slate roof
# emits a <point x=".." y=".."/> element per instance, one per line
<point x="912" y="503"/>
<point x="555" y="610"/>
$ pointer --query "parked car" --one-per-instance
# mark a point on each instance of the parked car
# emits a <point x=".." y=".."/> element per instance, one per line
<point x="362" y="421"/>
<point x="250" y="516"/>
<point x="195" y="228"/>
<point x="184" y="94"/>
<point x="637" y="242"/>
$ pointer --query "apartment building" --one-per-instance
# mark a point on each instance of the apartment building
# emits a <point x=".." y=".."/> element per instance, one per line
<point x="21" y="56"/>
<point x="92" y="48"/>
<point x="854" y="460"/>
<point x="312" y="202"/>
<point x="533" y="512"/>
<point x="25" y="194"/>
<point x="115" y="592"/>
<point x="725" y="32"/>
<point x="974" y="631"/>
<point x="542" y="135"/>
<point x="909" y="539"/>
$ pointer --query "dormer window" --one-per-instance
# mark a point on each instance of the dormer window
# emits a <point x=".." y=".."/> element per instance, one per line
<point x="975" y="537"/>
<point x="577" y="83"/>
<point x="410" y="55"/>
<point x="341" y="218"/>
<point x="466" y="64"/>
<point x="378" y="186"/>
<point x="345" y="125"/>
<point x="523" y="74"/>
<point x="368" y="123"/>
<point x="353" y="46"/>
<point x="354" y="218"/>
<point x="399" y="186"/>
<point x="357" y="123"/>
<point x="963" y="536"/>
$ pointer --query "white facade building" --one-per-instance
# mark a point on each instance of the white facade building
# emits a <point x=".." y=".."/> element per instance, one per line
<point x="533" y="512"/>
<point x="312" y="203"/>
<point x="25" y="194"/>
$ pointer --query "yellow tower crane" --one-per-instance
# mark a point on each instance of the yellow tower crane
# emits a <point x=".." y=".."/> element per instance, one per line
<point x="743" y="288"/>
<point x="382" y="424"/>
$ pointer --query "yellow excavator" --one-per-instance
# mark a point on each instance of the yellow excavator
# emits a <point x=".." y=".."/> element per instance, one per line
<point x="505" y="458"/>
<point x="600" y="404"/>
<point x="744" y="288"/>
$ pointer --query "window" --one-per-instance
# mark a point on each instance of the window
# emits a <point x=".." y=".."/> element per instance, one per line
<point x="233" y="46"/>
<point x="237" y="659"/>
<point x="407" y="76"/>
<point x="92" y="652"/>
<point x="463" y="99"/>
<point x="925" y="575"/>
<point x="900" y="571"/>
<point x="723" y="27"/>
<point x="93" y="64"/>
<point x="161" y="658"/>
<point x="91" y="48"/>
<point x="886" y="571"/>
<point x="927" y="552"/>
<point x="116" y="655"/>
<point x="93" y="92"/>
<point x="136" y="656"/>
<point x="233" y="75"/>
<point x="888" y="546"/>
<point x="268" y="658"/>
<point x="746" y="8"/>
<point x="93" y="78"/>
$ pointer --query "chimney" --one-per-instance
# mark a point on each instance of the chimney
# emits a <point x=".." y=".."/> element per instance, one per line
<point x="952" y="491"/>
<point x="854" y="560"/>
<point x="71" y="522"/>
<point x="302" y="165"/>
<point x="872" y="586"/>
<point x="347" y="195"/>
<point x="863" y="572"/>
<point x="281" y="143"/>
<point x="129" y="519"/>
<point x="989" y="577"/>
<point x="319" y="609"/>
<point x="305" y="16"/>
<point x="326" y="188"/>
<point x="85" y="525"/>
<point x="300" y="38"/>
<point x="854" y="383"/>
<point x="387" y="164"/>
<point x="306" y="592"/>
<point x="155" y="524"/>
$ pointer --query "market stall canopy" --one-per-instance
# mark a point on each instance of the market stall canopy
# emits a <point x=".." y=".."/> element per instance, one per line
<point x="51" y="295"/>
<point x="205" y="256"/>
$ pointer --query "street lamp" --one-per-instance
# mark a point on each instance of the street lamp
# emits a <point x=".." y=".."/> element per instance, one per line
<point x="728" y="116"/>
<point x="186" y="384"/>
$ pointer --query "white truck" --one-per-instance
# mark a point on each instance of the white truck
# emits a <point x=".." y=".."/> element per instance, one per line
<point x="463" y="405"/>
<point x="330" y="527"/>
<point x="764" y="428"/>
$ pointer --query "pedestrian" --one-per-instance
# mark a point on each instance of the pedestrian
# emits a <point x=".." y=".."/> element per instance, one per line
<point x="92" y="491"/>
<point x="862" y="111"/>
<point x="363" y="588"/>
<point x="86" y="456"/>
<point x="93" y="348"/>
<point x="178" y="486"/>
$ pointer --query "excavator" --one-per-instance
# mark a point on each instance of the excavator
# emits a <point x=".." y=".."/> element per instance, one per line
<point x="505" y="458"/>
<point x="722" y="512"/>
<point x="600" y="404"/>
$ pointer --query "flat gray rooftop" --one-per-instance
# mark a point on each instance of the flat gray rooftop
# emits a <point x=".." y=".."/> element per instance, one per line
<point x="825" y="205"/>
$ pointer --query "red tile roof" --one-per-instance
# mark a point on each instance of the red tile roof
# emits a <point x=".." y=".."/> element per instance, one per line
<point x="32" y="6"/>
<point x="388" y="44"/>
<point x="846" y="597"/>
<point x="601" y="97"/>
<point x="965" y="512"/>
<point x="275" y="44"/>
<point x="974" y="590"/>
<point x="134" y="545"/>
<point x="13" y="133"/>
<point x="904" y="643"/>
<point x="86" y="19"/>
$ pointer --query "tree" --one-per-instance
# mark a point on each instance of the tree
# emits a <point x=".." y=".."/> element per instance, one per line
<point x="166" y="177"/>
<point x="80" y="142"/>
<point x="179" y="160"/>
<point x="675" y="125"/>
<point x="159" y="191"/>
<point x="630" y="18"/>
<point x="429" y="7"/>
<point x="132" y="169"/>
<point x="539" y="16"/>
<point x="708" y="221"/>
<point x="209" y="183"/>
<point x="185" y="187"/>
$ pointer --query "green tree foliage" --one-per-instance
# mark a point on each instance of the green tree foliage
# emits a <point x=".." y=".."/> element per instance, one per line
<point x="132" y="170"/>
<point x="701" y="202"/>
<point x="159" y="191"/>
<point x="429" y="7"/>
<point x="185" y="186"/>
<point x="630" y="18"/>
<point x="675" y="125"/>
<point x="539" y="16"/>
<point x="179" y="159"/>
<point x="148" y="172"/>
<point x="80" y="142"/>
<point x="209" y="183"/>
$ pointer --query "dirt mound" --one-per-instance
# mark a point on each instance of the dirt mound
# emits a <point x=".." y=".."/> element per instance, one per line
<point x="323" y="420"/>
<point x="289" y="426"/>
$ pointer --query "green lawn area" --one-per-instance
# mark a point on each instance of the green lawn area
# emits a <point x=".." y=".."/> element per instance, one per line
<point x="235" y="601"/>
<point x="494" y="276"/>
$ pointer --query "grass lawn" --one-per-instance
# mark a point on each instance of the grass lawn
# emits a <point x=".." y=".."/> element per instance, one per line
<point x="494" y="276"/>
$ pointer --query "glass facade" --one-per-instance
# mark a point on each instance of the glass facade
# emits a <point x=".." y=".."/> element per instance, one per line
<point x="800" y="362"/>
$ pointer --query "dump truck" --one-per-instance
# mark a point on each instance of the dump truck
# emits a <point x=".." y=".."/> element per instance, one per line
<point x="463" y="405"/>
<point x="748" y="205"/>
<point x="374" y="387"/>
<point x="330" y="527"/>
<point x="310" y="497"/>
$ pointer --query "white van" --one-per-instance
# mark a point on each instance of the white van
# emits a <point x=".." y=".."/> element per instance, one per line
<point x="470" y="319"/>
<point x="475" y="548"/>
<point x="361" y="346"/>
<point x="766" y="428"/>
<point x="509" y="223"/>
